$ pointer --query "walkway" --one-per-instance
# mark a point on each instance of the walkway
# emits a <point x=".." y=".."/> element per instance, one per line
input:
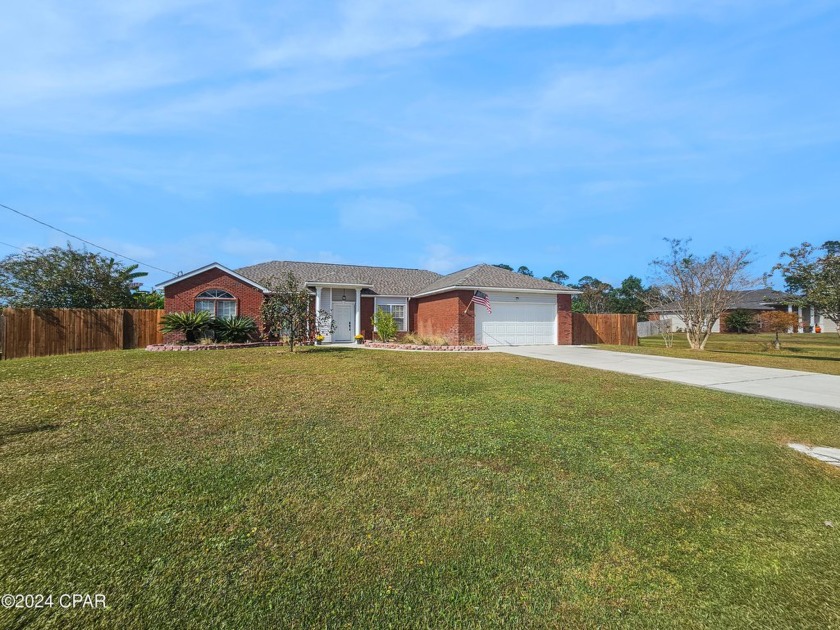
<point x="804" y="388"/>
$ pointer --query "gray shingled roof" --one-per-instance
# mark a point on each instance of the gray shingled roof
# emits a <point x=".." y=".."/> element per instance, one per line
<point x="382" y="280"/>
<point x="491" y="277"/>
<point x="754" y="300"/>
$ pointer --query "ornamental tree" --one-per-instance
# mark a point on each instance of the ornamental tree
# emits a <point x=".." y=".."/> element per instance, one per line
<point x="286" y="311"/>
<point x="698" y="288"/>
<point x="776" y="322"/>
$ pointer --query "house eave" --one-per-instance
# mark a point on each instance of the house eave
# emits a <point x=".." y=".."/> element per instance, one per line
<point x="502" y="289"/>
<point x="340" y="285"/>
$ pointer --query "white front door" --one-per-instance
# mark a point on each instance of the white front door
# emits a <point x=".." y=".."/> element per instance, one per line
<point x="344" y="314"/>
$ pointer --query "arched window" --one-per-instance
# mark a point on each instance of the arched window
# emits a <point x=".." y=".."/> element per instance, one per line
<point x="216" y="302"/>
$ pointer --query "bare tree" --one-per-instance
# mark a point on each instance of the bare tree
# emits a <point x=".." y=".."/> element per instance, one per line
<point x="699" y="289"/>
<point x="667" y="332"/>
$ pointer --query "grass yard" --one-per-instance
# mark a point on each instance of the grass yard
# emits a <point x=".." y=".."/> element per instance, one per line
<point x="806" y="352"/>
<point x="330" y="488"/>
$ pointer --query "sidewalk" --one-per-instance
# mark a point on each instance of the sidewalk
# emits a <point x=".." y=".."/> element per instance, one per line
<point x="804" y="388"/>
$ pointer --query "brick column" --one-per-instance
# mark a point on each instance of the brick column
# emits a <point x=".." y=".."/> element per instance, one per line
<point x="564" y="319"/>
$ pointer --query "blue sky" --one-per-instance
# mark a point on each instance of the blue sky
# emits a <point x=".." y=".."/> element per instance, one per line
<point x="561" y="135"/>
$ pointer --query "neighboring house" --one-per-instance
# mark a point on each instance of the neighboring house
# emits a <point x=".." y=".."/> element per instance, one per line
<point x="758" y="301"/>
<point x="525" y="310"/>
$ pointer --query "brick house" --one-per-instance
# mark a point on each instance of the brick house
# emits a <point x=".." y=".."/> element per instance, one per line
<point x="757" y="301"/>
<point x="523" y="310"/>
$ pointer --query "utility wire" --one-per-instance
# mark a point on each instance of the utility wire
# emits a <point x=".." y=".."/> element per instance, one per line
<point x="13" y="246"/>
<point x="79" y="238"/>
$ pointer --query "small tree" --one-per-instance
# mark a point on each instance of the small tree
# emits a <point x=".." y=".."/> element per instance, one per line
<point x="384" y="324"/>
<point x="667" y="332"/>
<point x="776" y="322"/>
<point x="286" y="311"/>
<point x="698" y="289"/>
<point x="525" y="271"/>
<point x="741" y="320"/>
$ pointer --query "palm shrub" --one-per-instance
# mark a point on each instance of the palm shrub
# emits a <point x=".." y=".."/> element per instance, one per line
<point x="191" y="324"/>
<point x="235" y="329"/>
<point x="741" y="321"/>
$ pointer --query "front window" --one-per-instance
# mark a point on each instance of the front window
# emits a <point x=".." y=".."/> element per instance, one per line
<point x="398" y="312"/>
<point x="216" y="302"/>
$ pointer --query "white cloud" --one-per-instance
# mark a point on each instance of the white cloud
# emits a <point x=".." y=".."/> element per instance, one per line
<point x="361" y="28"/>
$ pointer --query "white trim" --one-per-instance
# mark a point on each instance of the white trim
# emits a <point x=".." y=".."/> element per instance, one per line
<point x="499" y="290"/>
<point x="340" y="285"/>
<point x="214" y="265"/>
<point x="358" y="312"/>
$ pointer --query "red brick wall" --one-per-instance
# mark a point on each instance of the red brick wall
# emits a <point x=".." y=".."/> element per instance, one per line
<point x="181" y="295"/>
<point x="564" y="320"/>
<point x="367" y="315"/>
<point x="447" y="314"/>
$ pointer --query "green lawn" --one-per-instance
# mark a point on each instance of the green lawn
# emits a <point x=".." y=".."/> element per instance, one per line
<point x="254" y="488"/>
<point x="810" y="353"/>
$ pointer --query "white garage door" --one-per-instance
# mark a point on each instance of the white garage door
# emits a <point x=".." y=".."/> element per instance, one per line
<point x="530" y="320"/>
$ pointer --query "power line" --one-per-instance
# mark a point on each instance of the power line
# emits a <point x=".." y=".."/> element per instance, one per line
<point x="79" y="238"/>
<point x="13" y="246"/>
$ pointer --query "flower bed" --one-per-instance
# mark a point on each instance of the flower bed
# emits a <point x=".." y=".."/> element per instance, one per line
<point x="174" y="347"/>
<point x="411" y="346"/>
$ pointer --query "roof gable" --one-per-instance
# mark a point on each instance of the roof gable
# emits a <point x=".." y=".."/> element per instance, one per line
<point x="486" y="276"/>
<point x="214" y="265"/>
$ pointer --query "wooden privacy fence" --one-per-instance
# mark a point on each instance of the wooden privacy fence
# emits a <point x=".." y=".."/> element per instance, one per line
<point x="614" y="329"/>
<point x="29" y="332"/>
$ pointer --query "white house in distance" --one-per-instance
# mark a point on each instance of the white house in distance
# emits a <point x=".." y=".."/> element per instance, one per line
<point x="758" y="301"/>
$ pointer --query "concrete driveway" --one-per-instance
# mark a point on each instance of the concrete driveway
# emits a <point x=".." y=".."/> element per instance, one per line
<point x="804" y="388"/>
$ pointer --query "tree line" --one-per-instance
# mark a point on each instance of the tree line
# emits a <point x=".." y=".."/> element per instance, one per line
<point x="596" y="296"/>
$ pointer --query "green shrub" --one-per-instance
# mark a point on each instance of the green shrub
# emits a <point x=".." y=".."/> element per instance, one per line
<point x="234" y="329"/>
<point x="191" y="324"/>
<point x="383" y="322"/>
<point x="741" y="321"/>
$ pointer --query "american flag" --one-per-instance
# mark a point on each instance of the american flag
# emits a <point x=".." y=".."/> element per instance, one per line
<point x="481" y="298"/>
